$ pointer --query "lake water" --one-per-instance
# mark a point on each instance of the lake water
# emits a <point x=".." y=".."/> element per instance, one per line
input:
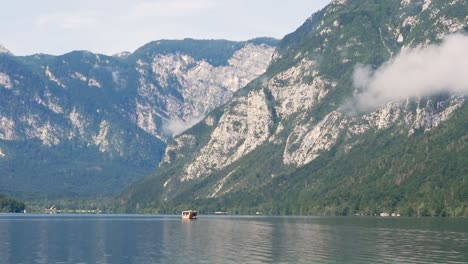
<point x="210" y="239"/>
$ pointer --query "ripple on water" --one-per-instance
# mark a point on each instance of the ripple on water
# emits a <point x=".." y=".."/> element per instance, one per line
<point x="234" y="240"/>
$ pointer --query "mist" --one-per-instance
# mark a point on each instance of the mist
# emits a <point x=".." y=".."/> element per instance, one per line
<point x="175" y="127"/>
<point x="415" y="72"/>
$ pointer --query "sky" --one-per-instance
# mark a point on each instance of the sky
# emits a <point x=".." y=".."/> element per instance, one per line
<point x="112" y="26"/>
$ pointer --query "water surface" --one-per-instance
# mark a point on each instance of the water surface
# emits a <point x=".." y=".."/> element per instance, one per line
<point x="210" y="239"/>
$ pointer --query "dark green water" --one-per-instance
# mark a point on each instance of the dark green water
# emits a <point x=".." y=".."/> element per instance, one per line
<point x="168" y="239"/>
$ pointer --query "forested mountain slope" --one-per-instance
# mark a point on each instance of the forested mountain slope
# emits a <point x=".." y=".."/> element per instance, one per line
<point x="340" y="123"/>
<point x="84" y="124"/>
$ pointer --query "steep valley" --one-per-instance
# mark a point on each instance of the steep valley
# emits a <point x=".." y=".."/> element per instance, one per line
<point x="87" y="125"/>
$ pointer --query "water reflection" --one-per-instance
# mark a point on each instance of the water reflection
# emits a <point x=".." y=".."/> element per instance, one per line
<point x="168" y="239"/>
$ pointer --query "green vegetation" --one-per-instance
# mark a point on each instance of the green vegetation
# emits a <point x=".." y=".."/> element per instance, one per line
<point x="32" y="170"/>
<point x="422" y="174"/>
<point x="67" y="109"/>
<point x="72" y="168"/>
<point x="215" y="52"/>
<point x="11" y="205"/>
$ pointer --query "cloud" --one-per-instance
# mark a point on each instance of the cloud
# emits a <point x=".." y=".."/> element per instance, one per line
<point x="175" y="127"/>
<point x="120" y="82"/>
<point x="168" y="8"/>
<point x="415" y="73"/>
<point x="116" y="77"/>
<point x="80" y="20"/>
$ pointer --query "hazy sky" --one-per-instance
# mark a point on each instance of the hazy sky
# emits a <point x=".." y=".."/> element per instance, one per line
<point x="111" y="26"/>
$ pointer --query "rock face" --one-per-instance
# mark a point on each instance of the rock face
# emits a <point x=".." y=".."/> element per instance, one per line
<point x="244" y="126"/>
<point x="287" y="127"/>
<point x="198" y="86"/>
<point x="119" y="109"/>
<point x="305" y="144"/>
<point x="292" y="93"/>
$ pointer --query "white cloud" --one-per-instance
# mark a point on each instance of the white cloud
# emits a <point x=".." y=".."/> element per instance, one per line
<point x="415" y="73"/>
<point x="80" y="20"/>
<point x="175" y="127"/>
<point x="120" y="82"/>
<point x="168" y="8"/>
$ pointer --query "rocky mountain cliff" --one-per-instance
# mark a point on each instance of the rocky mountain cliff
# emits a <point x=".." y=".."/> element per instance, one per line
<point x="89" y="124"/>
<point x="305" y="137"/>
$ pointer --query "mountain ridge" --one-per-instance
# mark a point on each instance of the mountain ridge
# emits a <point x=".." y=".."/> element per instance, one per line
<point x="292" y="119"/>
<point x="4" y="50"/>
<point x="104" y="118"/>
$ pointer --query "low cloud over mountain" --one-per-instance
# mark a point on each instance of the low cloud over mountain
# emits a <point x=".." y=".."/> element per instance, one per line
<point x="414" y="73"/>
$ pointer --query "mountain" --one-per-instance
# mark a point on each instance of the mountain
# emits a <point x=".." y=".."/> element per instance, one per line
<point x="313" y="135"/>
<point x="86" y="125"/>
<point x="4" y="50"/>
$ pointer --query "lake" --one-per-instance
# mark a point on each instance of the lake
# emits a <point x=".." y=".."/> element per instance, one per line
<point x="230" y="239"/>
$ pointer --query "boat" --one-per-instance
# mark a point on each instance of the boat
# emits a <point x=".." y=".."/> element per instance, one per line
<point x="220" y="213"/>
<point x="189" y="214"/>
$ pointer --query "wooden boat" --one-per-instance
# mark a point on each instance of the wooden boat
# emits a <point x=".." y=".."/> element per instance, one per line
<point x="189" y="214"/>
